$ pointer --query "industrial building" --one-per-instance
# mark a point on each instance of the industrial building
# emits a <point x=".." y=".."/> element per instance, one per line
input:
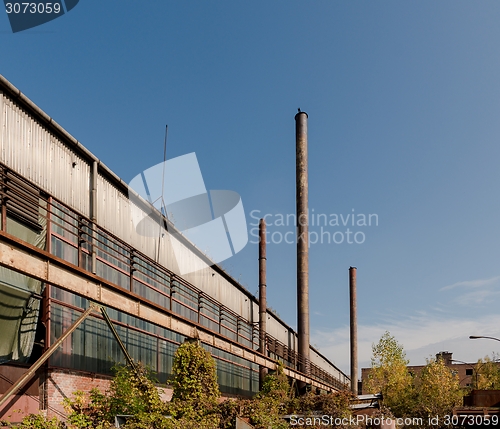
<point x="67" y="240"/>
<point x="465" y="372"/>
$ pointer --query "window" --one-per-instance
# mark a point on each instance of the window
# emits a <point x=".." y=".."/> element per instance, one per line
<point x="469" y="371"/>
<point x="22" y="201"/>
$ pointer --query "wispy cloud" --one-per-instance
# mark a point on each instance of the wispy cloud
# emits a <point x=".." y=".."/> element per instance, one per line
<point x="422" y="335"/>
<point x="473" y="283"/>
<point x="443" y="326"/>
<point x="476" y="297"/>
<point x="473" y="292"/>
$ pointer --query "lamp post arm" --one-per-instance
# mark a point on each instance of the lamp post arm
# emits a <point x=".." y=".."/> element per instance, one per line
<point x="476" y="337"/>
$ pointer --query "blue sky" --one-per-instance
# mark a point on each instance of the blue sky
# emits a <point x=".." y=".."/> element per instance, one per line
<point x="403" y="101"/>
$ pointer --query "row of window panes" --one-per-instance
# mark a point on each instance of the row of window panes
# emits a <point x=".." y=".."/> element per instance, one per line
<point x="112" y="252"/>
<point x="64" y="222"/>
<point x="93" y="348"/>
<point x="151" y="294"/>
<point x="209" y="308"/>
<point x="236" y="377"/>
<point x="186" y="297"/>
<point x="70" y="254"/>
<point x="184" y="311"/>
<point x="113" y="275"/>
<point x="150" y="274"/>
<point x="64" y="250"/>
<point x="185" y="303"/>
<point x="185" y="294"/>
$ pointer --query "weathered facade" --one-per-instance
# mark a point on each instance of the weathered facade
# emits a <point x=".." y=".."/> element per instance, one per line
<point x="67" y="238"/>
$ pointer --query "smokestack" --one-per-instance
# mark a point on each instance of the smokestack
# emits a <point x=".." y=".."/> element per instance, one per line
<point x="262" y="297"/>
<point x="302" y="241"/>
<point x="354" y="330"/>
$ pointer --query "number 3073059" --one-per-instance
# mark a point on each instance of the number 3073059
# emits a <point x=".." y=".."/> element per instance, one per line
<point x="19" y="8"/>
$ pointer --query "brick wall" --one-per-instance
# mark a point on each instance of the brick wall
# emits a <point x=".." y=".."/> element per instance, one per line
<point x="60" y="384"/>
<point x="45" y="394"/>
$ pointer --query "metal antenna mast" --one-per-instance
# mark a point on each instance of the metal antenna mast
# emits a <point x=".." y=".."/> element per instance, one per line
<point x="163" y="210"/>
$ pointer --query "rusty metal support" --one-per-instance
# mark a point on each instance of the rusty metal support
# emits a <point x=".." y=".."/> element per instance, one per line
<point x="302" y="186"/>
<point x="3" y="199"/>
<point x="29" y="374"/>
<point x="262" y="298"/>
<point x="117" y="337"/>
<point x="354" y="329"/>
<point x="31" y="371"/>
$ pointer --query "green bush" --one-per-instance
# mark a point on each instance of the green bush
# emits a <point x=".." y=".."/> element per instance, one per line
<point x="195" y="402"/>
<point x="132" y="391"/>
<point x="39" y="421"/>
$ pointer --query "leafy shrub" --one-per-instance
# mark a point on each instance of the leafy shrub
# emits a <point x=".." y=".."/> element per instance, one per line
<point x="132" y="391"/>
<point x="39" y="421"/>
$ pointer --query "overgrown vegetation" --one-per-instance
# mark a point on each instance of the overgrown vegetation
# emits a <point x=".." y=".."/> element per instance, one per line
<point x="435" y="391"/>
<point x="196" y="402"/>
<point x="486" y="374"/>
<point x="389" y="375"/>
<point x="196" y="391"/>
<point x="38" y="421"/>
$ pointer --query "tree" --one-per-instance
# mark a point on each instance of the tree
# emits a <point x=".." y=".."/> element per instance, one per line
<point x="486" y="374"/>
<point x="390" y="376"/>
<point x="196" y="391"/>
<point x="271" y="402"/>
<point x="437" y="390"/>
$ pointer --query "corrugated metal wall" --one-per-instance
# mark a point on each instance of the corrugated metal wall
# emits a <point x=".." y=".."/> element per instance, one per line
<point x="114" y="214"/>
<point x="32" y="151"/>
<point x="322" y="363"/>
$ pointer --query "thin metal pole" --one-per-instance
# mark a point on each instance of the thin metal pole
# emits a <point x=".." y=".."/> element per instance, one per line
<point x="262" y="297"/>
<point x="117" y="337"/>
<point x="29" y="374"/>
<point x="354" y="330"/>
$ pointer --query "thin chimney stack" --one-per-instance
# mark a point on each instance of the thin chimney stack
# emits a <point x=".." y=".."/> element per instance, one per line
<point x="302" y="186"/>
<point x="354" y="329"/>
<point x="262" y="297"/>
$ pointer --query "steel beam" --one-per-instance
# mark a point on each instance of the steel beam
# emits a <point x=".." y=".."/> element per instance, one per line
<point x="117" y="338"/>
<point x="29" y="374"/>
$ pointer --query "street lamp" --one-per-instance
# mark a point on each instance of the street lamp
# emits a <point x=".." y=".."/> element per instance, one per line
<point x="476" y="337"/>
